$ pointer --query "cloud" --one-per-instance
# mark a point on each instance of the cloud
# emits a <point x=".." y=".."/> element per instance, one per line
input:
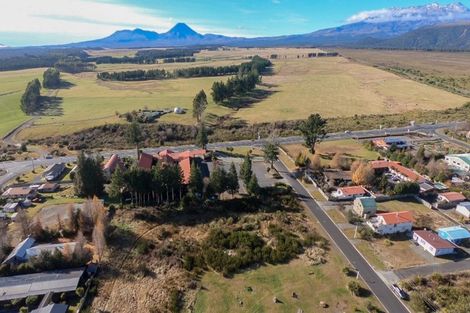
<point x="432" y="11"/>
<point x="78" y="19"/>
<point x="276" y="1"/>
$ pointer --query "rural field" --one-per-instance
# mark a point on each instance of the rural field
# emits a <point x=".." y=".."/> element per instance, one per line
<point x="297" y="87"/>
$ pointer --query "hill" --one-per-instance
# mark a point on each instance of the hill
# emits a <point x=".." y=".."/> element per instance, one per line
<point x="453" y="37"/>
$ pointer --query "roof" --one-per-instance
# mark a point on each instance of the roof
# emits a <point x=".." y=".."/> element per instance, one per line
<point x="145" y="161"/>
<point x="353" y="190"/>
<point x="367" y="202"/>
<point x="48" y="185"/>
<point x="465" y="205"/>
<point x="453" y="196"/>
<point x="381" y="164"/>
<point x="113" y="162"/>
<point x="165" y="152"/>
<point x="19" y="251"/>
<point x="22" y="286"/>
<point x="185" y="166"/>
<point x="455" y="232"/>
<point x="187" y="154"/>
<point x="338" y="175"/>
<point x="17" y="192"/>
<point x="434" y="240"/>
<point x="62" y="247"/>
<point x="465" y="157"/>
<point x="52" y="308"/>
<point x="409" y="173"/>
<point x="397" y="217"/>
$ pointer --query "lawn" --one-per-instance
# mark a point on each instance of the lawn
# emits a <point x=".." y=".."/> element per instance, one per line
<point x="349" y="148"/>
<point x="220" y="294"/>
<point x="371" y="255"/>
<point x="12" y="85"/>
<point x="298" y="87"/>
<point x="337" y="216"/>
<point x="418" y="210"/>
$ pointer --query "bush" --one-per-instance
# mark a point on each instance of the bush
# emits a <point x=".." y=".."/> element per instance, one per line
<point x="355" y="288"/>
<point x="31" y="300"/>
<point x="80" y="292"/>
<point x="406" y="188"/>
<point x="24" y="309"/>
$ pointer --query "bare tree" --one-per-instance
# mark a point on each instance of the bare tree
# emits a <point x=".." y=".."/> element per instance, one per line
<point x="4" y="238"/>
<point x="99" y="240"/>
<point x="24" y="223"/>
<point x="70" y="222"/>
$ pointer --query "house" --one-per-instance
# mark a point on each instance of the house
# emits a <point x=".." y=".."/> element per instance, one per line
<point x="455" y="234"/>
<point x="19" y="193"/>
<point x="451" y="197"/>
<point x="432" y="243"/>
<point x="336" y="178"/>
<point x="63" y="248"/>
<point x="350" y="192"/>
<point x="392" y="223"/>
<point x="54" y="171"/>
<point x="11" y="207"/>
<point x="52" y="308"/>
<point x="48" y="187"/>
<point x="22" y="286"/>
<point x="110" y="166"/>
<point x="387" y="142"/>
<point x="459" y="161"/>
<point x="405" y="173"/>
<point x="18" y="255"/>
<point x="365" y="206"/>
<point x="463" y="209"/>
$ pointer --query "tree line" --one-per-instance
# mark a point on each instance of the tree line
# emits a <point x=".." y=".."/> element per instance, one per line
<point x="145" y="56"/>
<point x="257" y="64"/>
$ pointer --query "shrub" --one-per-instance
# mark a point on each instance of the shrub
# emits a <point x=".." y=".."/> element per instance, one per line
<point x="24" y="309"/>
<point x="80" y="291"/>
<point x="31" y="300"/>
<point x="355" y="288"/>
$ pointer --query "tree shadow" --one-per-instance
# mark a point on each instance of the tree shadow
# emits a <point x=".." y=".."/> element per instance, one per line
<point x="66" y="84"/>
<point x="51" y="106"/>
<point x="248" y="100"/>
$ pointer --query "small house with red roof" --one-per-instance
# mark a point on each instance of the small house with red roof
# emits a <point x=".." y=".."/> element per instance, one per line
<point x="451" y="197"/>
<point x="432" y="243"/>
<point x="351" y="192"/>
<point x="146" y="161"/>
<point x="392" y="223"/>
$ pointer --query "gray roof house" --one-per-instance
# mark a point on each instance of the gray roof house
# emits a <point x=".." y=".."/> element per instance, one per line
<point x="54" y="171"/>
<point x="52" y="308"/>
<point x="19" y="255"/>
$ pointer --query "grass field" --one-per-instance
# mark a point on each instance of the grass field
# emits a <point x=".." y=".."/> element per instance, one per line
<point x="12" y="85"/>
<point x="299" y="87"/>
<point x="348" y="147"/>
<point x="223" y="295"/>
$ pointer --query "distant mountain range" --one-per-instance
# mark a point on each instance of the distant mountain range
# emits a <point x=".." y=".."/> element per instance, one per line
<point x="433" y="26"/>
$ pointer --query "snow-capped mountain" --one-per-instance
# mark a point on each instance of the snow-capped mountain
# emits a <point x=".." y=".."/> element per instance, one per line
<point x="430" y="14"/>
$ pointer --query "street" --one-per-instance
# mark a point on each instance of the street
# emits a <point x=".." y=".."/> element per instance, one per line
<point x="385" y="295"/>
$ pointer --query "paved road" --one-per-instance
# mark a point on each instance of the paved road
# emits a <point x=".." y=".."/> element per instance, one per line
<point x="16" y="168"/>
<point x="388" y="299"/>
<point x="445" y="268"/>
<point x="452" y="140"/>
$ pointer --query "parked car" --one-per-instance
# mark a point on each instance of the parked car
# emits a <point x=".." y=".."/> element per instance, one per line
<point x="400" y="292"/>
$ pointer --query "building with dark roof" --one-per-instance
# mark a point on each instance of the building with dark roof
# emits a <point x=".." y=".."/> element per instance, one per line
<point x="52" y="308"/>
<point x="54" y="171"/>
<point x="19" y="254"/>
<point x="432" y="243"/>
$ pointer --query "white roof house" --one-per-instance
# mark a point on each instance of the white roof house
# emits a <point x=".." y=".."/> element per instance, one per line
<point x="459" y="161"/>
<point x="463" y="209"/>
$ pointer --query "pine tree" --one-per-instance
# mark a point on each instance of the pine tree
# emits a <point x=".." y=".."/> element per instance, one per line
<point x="117" y="184"/>
<point x="314" y="130"/>
<point x="89" y="178"/>
<point x="219" y="180"/>
<point x="196" y="183"/>
<point x="201" y="137"/>
<point x="232" y="180"/>
<point x="245" y="170"/>
<point x="199" y="105"/>
<point x="134" y="135"/>
<point x="253" y="186"/>
<point x="271" y="153"/>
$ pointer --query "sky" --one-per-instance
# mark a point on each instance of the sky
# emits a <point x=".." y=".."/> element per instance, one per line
<point x="39" y="22"/>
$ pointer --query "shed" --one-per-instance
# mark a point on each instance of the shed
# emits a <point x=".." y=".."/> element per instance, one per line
<point x="365" y="206"/>
<point x="52" y="308"/>
<point x="455" y="234"/>
<point x="463" y="209"/>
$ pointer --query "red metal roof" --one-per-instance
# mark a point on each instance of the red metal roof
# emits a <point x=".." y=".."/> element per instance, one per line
<point x="434" y="240"/>
<point x="381" y="164"/>
<point x="185" y="166"/>
<point x="353" y="190"/>
<point x="114" y="161"/>
<point x="409" y="173"/>
<point x="397" y="217"/>
<point x="453" y="196"/>
<point x="145" y="161"/>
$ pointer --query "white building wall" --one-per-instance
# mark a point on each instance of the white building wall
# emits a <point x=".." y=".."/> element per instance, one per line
<point x="457" y="163"/>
